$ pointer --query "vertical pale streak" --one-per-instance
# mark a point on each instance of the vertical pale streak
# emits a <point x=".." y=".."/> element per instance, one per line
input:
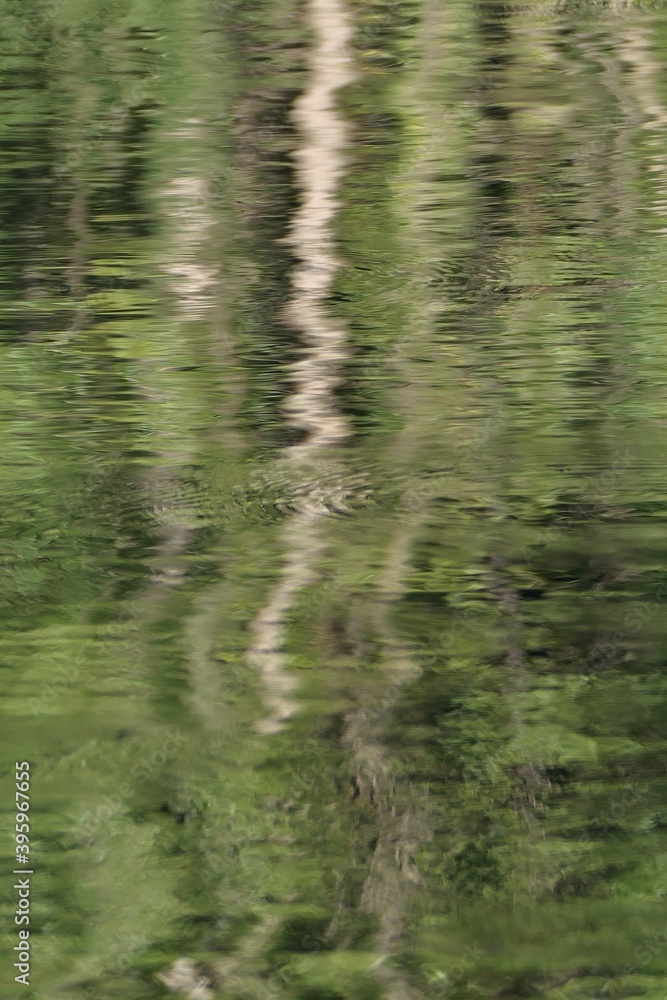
<point x="184" y="200"/>
<point x="635" y="50"/>
<point x="311" y="407"/>
<point x="319" y="168"/>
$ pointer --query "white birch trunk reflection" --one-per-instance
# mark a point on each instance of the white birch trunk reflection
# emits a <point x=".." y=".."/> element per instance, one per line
<point x="311" y="407"/>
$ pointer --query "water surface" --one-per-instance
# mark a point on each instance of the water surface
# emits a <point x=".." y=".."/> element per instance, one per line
<point x="333" y="428"/>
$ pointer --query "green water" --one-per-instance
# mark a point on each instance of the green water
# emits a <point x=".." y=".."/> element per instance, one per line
<point x="333" y="432"/>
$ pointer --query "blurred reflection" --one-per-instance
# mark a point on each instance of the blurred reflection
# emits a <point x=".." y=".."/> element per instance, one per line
<point x="333" y="428"/>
